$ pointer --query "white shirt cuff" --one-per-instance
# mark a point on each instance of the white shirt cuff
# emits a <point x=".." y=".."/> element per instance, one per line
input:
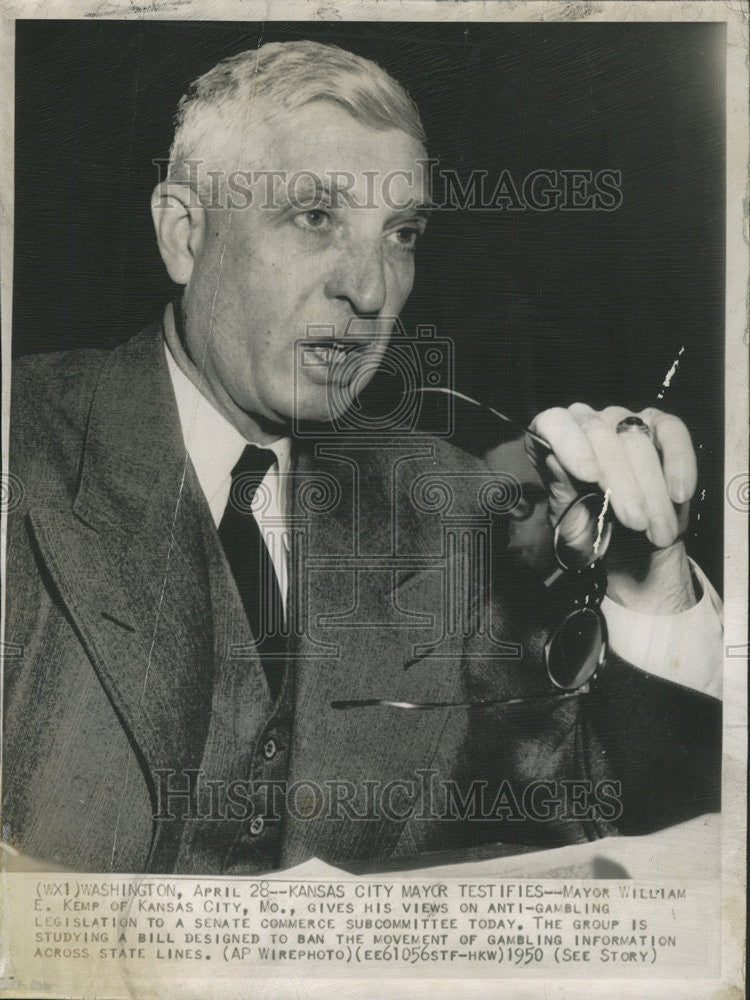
<point x="685" y="648"/>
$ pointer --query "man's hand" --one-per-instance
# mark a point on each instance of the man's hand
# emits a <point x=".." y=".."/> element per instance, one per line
<point x="648" y="479"/>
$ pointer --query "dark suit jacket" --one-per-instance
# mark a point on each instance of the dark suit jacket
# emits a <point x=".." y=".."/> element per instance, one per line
<point x="136" y="661"/>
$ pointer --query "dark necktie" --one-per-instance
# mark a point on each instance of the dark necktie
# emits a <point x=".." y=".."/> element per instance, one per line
<point x="251" y="563"/>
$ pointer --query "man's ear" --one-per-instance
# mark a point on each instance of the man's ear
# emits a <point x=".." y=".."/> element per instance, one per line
<point x="180" y="224"/>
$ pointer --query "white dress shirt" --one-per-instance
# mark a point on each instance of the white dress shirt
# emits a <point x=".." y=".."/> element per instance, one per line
<point x="214" y="446"/>
<point x="686" y="648"/>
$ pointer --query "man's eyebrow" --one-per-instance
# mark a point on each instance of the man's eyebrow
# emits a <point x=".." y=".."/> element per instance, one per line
<point x="315" y="190"/>
<point x="312" y="191"/>
<point x="414" y="210"/>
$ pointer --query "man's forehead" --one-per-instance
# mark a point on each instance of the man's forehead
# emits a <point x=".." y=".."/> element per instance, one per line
<point x="322" y="143"/>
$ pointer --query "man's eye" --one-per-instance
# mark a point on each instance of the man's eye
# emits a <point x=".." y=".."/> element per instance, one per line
<point x="406" y="237"/>
<point x="313" y="218"/>
<point x="531" y="495"/>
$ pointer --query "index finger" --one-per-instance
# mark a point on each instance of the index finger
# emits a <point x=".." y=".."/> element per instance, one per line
<point x="568" y="441"/>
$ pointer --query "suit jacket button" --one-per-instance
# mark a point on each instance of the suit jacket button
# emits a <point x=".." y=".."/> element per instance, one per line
<point x="269" y="750"/>
<point x="257" y="825"/>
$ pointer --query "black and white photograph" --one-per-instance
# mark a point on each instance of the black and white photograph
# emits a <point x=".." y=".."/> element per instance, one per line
<point x="374" y="481"/>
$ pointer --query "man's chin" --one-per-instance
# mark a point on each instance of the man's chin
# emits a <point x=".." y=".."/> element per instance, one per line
<point x="322" y="409"/>
<point x="324" y="423"/>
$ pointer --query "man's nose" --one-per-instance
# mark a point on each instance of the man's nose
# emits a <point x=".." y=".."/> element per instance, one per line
<point x="359" y="279"/>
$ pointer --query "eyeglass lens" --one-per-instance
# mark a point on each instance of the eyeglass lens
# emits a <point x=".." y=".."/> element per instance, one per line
<point x="575" y="650"/>
<point x="583" y="532"/>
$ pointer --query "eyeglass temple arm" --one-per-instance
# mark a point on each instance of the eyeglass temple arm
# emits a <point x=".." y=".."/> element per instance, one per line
<point x="427" y="705"/>
<point x="489" y="409"/>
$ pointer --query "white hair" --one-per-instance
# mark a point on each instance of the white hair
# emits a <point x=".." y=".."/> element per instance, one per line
<point x="213" y="117"/>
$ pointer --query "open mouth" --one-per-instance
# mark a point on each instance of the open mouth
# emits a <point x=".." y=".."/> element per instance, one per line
<point x="330" y="353"/>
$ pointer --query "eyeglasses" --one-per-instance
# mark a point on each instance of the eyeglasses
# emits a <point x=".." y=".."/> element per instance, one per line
<point x="576" y="646"/>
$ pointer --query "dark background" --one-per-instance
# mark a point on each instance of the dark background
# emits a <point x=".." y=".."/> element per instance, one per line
<point x="545" y="308"/>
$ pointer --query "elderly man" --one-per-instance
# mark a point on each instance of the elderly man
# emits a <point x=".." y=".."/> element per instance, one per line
<point x="229" y="594"/>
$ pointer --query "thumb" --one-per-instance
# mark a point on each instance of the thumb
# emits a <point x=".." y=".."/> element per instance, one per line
<point x="581" y="526"/>
<point x="561" y="491"/>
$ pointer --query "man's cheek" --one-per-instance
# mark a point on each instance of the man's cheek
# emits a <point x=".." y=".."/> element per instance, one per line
<point x="400" y="283"/>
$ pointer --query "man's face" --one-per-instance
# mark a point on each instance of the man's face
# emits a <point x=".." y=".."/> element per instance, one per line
<point x="304" y="264"/>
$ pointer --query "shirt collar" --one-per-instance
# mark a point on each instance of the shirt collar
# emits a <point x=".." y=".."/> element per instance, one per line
<point x="212" y="442"/>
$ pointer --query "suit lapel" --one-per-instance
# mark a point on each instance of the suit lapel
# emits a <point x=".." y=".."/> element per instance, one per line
<point x="129" y="561"/>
